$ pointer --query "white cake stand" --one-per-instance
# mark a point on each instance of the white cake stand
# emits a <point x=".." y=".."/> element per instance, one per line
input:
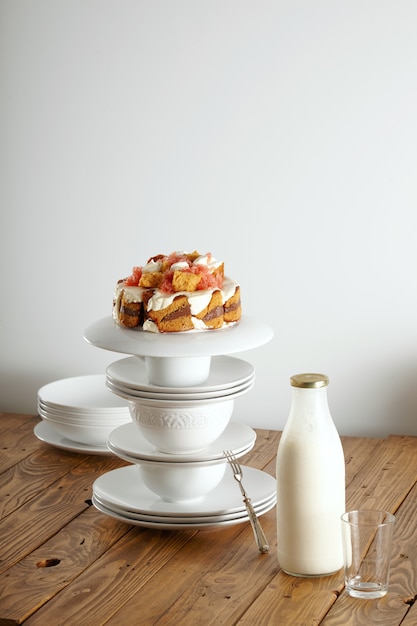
<point x="247" y="334"/>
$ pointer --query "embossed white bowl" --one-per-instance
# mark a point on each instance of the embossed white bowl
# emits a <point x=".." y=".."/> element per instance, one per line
<point x="181" y="427"/>
<point x="181" y="482"/>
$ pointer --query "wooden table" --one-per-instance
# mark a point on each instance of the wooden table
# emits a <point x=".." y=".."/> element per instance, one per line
<point x="64" y="562"/>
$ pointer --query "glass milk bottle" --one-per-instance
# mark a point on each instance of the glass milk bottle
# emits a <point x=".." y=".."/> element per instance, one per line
<point x="310" y="483"/>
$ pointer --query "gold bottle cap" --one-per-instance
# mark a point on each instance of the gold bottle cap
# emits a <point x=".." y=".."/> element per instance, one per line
<point x="309" y="381"/>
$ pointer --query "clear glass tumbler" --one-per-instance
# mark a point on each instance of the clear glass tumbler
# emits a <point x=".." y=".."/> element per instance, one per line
<point x="367" y="545"/>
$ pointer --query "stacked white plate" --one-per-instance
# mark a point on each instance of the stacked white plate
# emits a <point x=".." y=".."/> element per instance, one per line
<point x="229" y="376"/>
<point x="120" y="494"/>
<point x="81" y="410"/>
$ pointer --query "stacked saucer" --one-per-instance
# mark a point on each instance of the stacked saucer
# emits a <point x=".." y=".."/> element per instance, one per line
<point x="228" y="376"/>
<point x="80" y="410"/>
<point x="121" y="495"/>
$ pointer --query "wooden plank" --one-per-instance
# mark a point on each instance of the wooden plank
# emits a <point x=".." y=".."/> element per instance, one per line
<point x="39" y="518"/>
<point x="290" y="600"/>
<point x="385" y="480"/>
<point x="17" y="439"/>
<point x="11" y="421"/>
<point x="403" y="581"/>
<point x="411" y="617"/>
<point x="211" y="581"/>
<point x="118" y="575"/>
<point x="34" y="474"/>
<point x="387" y="611"/>
<point x="34" y="580"/>
<point x="357" y="454"/>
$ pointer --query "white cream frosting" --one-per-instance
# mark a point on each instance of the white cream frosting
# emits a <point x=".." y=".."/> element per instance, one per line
<point x="198" y="300"/>
<point x="180" y="265"/>
<point x="150" y="326"/>
<point x="152" y="266"/>
<point x="207" y="260"/>
<point x="132" y="294"/>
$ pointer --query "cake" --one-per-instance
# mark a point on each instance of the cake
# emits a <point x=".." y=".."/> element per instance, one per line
<point x="176" y="293"/>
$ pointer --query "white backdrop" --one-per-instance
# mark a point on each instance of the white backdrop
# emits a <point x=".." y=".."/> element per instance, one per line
<point x="279" y="135"/>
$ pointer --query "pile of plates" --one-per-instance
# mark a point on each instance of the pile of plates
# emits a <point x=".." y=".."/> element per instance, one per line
<point x="80" y="410"/>
<point x="228" y="376"/>
<point x="120" y="494"/>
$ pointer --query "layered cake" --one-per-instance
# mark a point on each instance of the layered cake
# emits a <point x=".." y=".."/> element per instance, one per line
<point x="177" y="292"/>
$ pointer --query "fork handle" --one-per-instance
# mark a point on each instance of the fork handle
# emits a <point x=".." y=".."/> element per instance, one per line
<point x="261" y="540"/>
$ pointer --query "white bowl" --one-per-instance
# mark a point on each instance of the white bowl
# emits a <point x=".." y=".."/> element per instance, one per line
<point x="177" y="371"/>
<point x="180" y="482"/>
<point x="93" y="435"/>
<point x="181" y="427"/>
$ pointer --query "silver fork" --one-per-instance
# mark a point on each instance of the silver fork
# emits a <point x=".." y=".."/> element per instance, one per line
<point x="261" y="540"/>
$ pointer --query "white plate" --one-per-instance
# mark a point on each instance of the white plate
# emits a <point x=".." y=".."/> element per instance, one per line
<point x="90" y="419"/>
<point x="137" y="460"/>
<point x="180" y="401"/>
<point x="81" y="393"/>
<point x="225" y="372"/>
<point x="237" y="437"/>
<point x="120" y="413"/>
<point x="46" y="433"/>
<point x="189" y="395"/>
<point x="85" y="419"/>
<point x="249" y="333"/>
<point x="183" y="519"/>
<point x="153" y="521"/>
<point x="132" y="394"/>
<point x="124" y="489"/>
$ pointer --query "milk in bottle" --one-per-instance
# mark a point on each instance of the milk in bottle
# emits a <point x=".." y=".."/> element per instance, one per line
<point x="310" y="483"/>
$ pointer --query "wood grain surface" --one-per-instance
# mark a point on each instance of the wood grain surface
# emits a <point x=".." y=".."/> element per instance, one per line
<point x="64" y="562"/>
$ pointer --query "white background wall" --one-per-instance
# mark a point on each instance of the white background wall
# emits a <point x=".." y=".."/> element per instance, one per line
<point x="279" y="135"/>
